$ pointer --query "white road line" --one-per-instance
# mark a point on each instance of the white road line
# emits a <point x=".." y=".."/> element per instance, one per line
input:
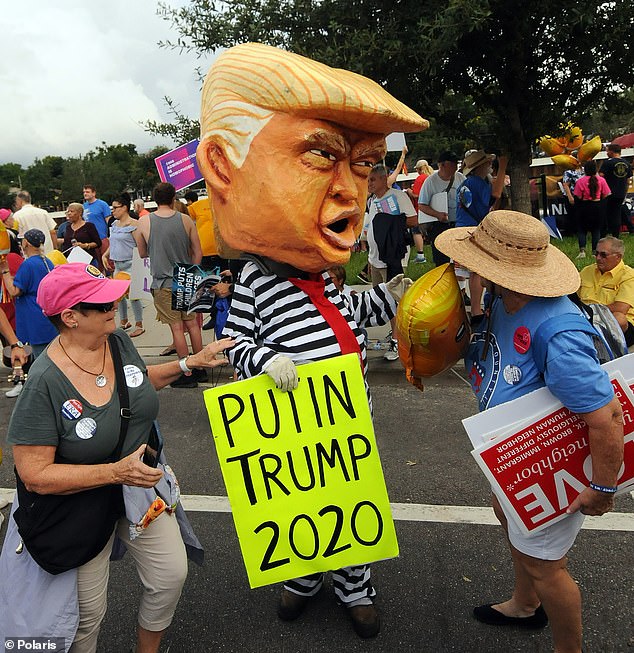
<point x="614" y="521"/>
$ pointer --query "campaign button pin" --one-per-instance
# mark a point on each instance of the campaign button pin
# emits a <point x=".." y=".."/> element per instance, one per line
<point x="86" y="428"/>
<point x="133" y="376"/>
<point x="512" y="374"/>
<point x="72" y="409"/>
<point x="522" y="340"/>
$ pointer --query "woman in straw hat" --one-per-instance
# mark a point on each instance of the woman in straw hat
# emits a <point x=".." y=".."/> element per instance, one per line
<point x="528" y="280"/>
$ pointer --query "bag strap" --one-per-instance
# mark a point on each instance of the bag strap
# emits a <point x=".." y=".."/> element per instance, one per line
<point x="552" y="327"/>
<point x="450" y="183"/>
<point x="122" y="390"/>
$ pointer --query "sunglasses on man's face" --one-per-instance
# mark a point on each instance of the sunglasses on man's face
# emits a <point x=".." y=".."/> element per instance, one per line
<point x="102" y="308"/>
<point x="604" y="254"/>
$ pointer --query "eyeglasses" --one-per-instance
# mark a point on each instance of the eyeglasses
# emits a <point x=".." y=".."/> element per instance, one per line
<point x="102" y="308"/>
<point x="113" y="207"/>
<point x="600" y="254"/>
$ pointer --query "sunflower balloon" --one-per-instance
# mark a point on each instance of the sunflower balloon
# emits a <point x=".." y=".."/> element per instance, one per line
<point x="560" y="149"/>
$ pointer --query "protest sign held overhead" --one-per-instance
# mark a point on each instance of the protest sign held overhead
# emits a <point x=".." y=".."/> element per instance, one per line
<point x="302" y="472"/>
<point x="179" y="166"/>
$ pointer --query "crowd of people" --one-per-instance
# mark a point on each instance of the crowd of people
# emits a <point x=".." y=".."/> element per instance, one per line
<point x="83" y="422"/>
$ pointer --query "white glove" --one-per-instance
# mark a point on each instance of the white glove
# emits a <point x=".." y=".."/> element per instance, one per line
<point x="283" y="371"/>
<point x="398" y="286"/>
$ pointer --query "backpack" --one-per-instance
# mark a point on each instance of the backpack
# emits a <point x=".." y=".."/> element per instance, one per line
<point x="596" y="320"/>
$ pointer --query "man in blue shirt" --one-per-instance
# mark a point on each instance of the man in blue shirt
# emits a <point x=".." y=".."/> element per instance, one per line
<point x="528" y="280"/>
<point x="96" y="211"/>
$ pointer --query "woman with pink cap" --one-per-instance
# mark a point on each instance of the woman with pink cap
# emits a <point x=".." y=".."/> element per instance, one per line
<point x="65" y="430"/>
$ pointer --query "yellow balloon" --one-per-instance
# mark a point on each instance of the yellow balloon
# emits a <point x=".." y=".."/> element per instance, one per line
<point x="432" y="328"/>
<point x="565" y="161"/>
<point x="56" y="257"/>
<point x="589" y="149"/>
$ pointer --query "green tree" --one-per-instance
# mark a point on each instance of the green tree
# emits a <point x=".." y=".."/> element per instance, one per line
<point x="509" y="71"/>
<point x="43" y="180"/>
<point x="144" y="175"/>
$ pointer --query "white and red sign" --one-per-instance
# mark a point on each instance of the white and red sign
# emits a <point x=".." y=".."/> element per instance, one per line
<point x="538" y="464"/>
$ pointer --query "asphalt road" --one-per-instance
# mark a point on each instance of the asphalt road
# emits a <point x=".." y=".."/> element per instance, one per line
<point x="425" y="596"/>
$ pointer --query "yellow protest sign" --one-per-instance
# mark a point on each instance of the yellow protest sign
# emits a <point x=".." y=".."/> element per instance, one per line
<point x="302" y="472"/>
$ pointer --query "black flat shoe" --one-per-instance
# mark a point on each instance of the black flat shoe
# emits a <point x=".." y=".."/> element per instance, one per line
<point x="365" y="620"/>
<point x="291" y="605"/>
<point x="488" y="615"/>
<point x="169" y="351"/>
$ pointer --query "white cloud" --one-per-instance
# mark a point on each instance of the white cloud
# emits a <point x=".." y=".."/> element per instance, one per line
<point x="77" y="73"/>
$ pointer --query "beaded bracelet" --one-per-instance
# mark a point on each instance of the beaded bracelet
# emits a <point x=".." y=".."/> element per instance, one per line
<point x="602" y="488"/>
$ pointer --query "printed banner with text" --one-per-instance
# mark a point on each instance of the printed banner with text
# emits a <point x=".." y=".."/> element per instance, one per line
<point x="302" y="472"/>
<point x="179" y="166"/>
<point x="192" y="288"/>
<point x="538" y="467"/>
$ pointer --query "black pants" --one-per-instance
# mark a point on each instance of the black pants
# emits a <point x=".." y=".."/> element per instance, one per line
<point x="590" y="217"/>
<point x="612" y="216"/>
<point x="434" y="229"/>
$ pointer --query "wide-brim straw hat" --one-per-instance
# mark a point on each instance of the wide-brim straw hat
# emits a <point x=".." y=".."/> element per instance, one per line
<point x="474" y="159"/>
<point x="512" y="250"/>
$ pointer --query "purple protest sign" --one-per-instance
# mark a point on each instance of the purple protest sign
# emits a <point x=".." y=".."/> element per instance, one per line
<point x="178" y="166"/>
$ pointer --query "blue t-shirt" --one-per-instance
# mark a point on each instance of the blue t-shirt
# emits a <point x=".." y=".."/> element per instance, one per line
<point x="473" y="200"/>
<point x="31" y="324"/>
<point x="97" y="212"/>
<point x="572" y="374"/>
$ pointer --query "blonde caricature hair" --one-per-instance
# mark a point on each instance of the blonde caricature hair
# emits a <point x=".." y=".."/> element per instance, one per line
<point x="248" y="83"/>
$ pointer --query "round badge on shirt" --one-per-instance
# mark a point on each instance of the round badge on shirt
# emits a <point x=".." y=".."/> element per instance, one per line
<point x="522" y="340"/>
<point x="86" y="428"/>
<point x="133" y="376"/>
<point x="512" y="374"/>
<point x="72" y="409"/>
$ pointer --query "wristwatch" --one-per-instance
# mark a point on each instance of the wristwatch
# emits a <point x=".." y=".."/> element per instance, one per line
<point x="17" y="345"/>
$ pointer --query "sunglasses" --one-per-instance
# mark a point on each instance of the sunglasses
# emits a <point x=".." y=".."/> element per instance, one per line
<point x="604" y="254"/>
<point x="102" y="308"/>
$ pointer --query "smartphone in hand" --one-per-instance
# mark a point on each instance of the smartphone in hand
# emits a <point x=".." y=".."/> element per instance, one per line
<point x="153" y="448"/>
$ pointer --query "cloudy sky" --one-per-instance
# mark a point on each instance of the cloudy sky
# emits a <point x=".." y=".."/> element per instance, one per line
<point x="75" y="73"/>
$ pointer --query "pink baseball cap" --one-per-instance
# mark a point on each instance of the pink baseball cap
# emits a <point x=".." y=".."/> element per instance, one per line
<point x="4" y="214"/>
<point x="69" y="284"/>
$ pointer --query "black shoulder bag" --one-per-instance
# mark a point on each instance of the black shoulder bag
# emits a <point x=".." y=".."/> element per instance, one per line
<point x="65" y="531"/>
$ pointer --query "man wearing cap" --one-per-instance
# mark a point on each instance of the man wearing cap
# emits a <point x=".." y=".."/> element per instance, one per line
<point x="28" y="217"/>
<point x="617" y="173"/>
<point x="437" y="201"/>
<point x="286" y="148"/>
<point x="30" y="323"/>
<point x="528" y="280"/>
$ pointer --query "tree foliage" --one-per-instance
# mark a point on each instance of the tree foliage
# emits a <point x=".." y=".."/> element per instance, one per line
<point x="498" y="74"/>
<point x="54" y="181"/>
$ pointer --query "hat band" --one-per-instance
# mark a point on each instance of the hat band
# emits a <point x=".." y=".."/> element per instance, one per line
<point x="478" y="162"/>
<point x="489" y="243"/>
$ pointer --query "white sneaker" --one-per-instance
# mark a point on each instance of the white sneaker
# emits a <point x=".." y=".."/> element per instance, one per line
<point x="581" y="254"/>
<point x="15" y="390"/>
<point x="392" y="353"/>
<point x="420" y="258"/>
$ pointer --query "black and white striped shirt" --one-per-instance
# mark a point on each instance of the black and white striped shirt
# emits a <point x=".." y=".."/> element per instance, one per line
<point x="269" y="317"/>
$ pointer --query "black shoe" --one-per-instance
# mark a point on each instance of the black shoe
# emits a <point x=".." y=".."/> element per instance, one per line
<point x="365" y="620"/>
<point x="291" y="605"/>
<point x="200" y="375"/>
<point x="488" y="615"/>
<point x="184" y="382"/>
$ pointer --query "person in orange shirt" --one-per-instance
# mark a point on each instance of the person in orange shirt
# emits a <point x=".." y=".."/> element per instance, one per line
<point x="200" y="213"/>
